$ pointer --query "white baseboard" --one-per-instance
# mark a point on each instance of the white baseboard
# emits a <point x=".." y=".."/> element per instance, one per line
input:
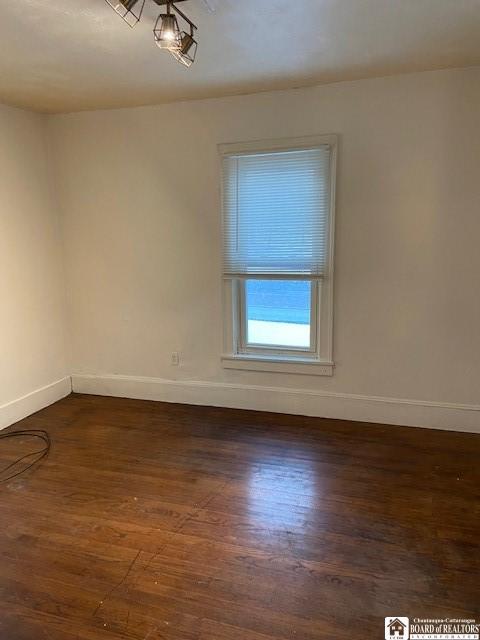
<point x="20" y="408"/>
<point x="397" y="411"/>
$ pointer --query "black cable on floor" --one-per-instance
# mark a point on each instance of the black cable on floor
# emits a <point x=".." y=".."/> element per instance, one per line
<point x="40" y="453"/>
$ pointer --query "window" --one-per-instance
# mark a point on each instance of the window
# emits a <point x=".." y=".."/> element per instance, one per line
<point x="278" y="202"/>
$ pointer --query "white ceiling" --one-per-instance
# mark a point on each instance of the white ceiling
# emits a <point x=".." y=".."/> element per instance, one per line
<point x="68" y="55"/>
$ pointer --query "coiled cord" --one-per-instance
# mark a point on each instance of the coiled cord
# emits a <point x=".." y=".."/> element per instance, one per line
<point x="40" y="453"/>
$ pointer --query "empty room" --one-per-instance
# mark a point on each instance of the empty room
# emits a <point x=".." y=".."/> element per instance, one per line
<point x="240" y="320"/>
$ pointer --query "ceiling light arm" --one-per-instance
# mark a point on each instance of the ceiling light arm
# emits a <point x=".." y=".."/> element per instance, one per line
<point x="187" y="20"/>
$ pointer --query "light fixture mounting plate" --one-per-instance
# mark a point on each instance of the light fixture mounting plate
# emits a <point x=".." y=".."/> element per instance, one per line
<point x="163" y="2"/>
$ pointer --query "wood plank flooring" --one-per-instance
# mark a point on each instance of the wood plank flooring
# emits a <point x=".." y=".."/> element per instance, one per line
<point x="151" y="521"/>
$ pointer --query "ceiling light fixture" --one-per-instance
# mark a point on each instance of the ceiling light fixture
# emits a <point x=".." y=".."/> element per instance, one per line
<point x="166" y="31"/>
<point x="187" y="51"/>
<point x="167" y="34"/>
<point x="130" y="10"/>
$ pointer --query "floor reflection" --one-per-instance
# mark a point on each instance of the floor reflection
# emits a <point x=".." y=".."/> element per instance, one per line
<point x="282" y="493"/>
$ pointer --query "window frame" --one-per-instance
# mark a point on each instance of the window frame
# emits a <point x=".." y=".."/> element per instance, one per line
<point x="318" y="359"/>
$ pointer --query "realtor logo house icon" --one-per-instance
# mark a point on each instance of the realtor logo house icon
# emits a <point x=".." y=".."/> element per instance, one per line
<point x="397" y="629"/>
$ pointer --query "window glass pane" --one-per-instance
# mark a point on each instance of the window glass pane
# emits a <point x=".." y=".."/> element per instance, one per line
<point x="278" y="312"/>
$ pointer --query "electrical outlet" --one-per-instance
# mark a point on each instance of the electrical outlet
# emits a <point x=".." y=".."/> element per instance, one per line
<point x="175" y="359"/>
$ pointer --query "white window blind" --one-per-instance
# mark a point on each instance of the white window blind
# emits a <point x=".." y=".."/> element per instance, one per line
<point x="276" y="213"/>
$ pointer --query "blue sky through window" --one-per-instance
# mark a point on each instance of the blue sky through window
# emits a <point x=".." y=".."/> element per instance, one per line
<point x="278" y="312"/>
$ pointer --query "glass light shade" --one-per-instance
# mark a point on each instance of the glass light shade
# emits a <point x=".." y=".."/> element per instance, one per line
<point x="130" y="10"/>
<point x="166" y="32"/>
<point x="188" y="49"/>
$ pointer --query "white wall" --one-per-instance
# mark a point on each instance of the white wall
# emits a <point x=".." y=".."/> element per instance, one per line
<point x="139" y="192"/>
<point x="33" y="365"/>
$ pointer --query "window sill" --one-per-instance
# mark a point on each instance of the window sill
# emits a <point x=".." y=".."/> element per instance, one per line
<point x="283" y="364"/>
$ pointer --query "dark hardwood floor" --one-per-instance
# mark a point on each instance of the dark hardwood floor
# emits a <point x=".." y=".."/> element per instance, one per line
<point x="152" y="521"/>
